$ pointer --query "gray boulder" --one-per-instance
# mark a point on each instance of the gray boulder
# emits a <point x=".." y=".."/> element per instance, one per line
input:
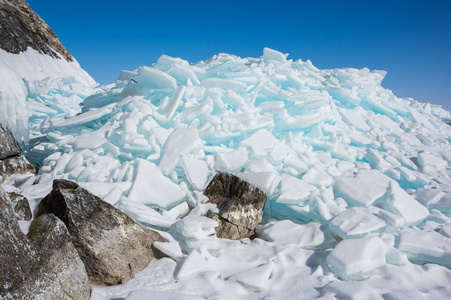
<point x="240" y="206"/>
<point x="112" y="246"/>
<point x="20" y="206"/>
<point x="47" y="267"/>
<point x="17" y="255"/>
<point x="64" y="275"/>
<point x="8" y="144"/>
<point x="15" y="165"/>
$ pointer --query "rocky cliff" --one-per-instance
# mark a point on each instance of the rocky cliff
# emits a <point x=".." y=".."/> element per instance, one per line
<point x="21" y="27"/>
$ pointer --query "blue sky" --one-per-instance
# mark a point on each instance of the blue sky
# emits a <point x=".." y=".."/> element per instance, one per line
<point x="409" y="39"/>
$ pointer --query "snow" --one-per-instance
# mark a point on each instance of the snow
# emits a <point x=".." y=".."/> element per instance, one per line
<point x="358" y="181"/>
<point x="19" y="73"/>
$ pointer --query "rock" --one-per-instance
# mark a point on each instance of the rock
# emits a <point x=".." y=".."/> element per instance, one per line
<point x="8" y="144"/>
<point x="23" y="28"/>
<point x="47" y="267"/>
<point x="240" y="206"/>
<point x="20" y="206"/>
<point x="17" y="255"/>
<point x="16" y="165"/>
<point x="66" y="276"/>
<point x="112" y="246"/>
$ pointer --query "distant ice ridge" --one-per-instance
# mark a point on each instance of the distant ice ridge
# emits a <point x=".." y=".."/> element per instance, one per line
<point x="339" y="156"/>
<point x="19" y="73"/>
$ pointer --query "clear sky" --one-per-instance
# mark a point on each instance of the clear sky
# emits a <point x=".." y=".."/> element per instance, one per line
<point x="409" y="39"/>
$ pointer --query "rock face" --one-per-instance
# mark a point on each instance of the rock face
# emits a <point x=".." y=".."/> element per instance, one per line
<point x="20" y="206"/>
<point x="21" y="27"/>
<point x="45" y="267"/>
<point x="65" y="273"/>
<point x="10" y="160"/>
<point x="240" y="206"/>
<point x="15" y="249"/>
<point x="18" y="164"/>
<point x="8" y="144"/>
<point x="112" y="246"/>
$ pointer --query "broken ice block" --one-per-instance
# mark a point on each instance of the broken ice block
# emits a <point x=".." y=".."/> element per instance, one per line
<point x="153" y="188"/>
<point x="355" y="258"/>
<point x="356" y="222"/>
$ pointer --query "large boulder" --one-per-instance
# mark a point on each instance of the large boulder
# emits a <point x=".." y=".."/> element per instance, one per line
<point x="10" y="160"/>
<point x="65" y="273"/>
<point x="240" y="206"/>
<point x="21" y="206"/>
<point x="18" y="164"/>
<point x="8" y="144"/>
<point x="47" y="267"/>
<point x="112" y="246"/>
<point x="17" y="255"/>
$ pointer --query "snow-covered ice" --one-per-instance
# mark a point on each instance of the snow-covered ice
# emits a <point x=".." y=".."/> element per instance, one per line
<point x="358" y="180"/>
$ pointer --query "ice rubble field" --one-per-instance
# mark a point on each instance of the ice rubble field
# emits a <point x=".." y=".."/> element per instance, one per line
<point x="358" y="180"/>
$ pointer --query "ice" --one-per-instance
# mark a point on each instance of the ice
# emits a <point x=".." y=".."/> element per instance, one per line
<point x="356" y="222"/>
<point x="173" y="104"/>
<point x="266" y="181"/>
<point x="181" y="141"/>
<point x="194" y="263"/>
<point x="353" y="259"/>
<point x="309" y="236"/>
<point x="144" y="214"/>
<point x="196" y="171"/>
<point x="262" y="139"/>
<point x="225" y="84"/>
<point x="426" y="246"/>
<point x="364" y="189"/>
<point x="170" y="248"/>
<point x="315" y="177"/>
<point x="87" y="116"/>
<point x="294" y="190"/>
<point x="183" y="73"/>
<point x="150" y="78"/>
<point x="153" y="188"/>
<point x="402" y="204"/>
<point x="346" y="165"/>
<point x="428" y="196"/>
<point x="232" y="161"/>
<point x="270" y="54"/>
<point x="431" y="160"/>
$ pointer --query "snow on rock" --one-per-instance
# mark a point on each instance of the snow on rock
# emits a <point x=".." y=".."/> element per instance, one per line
<point x="355" y="258"/>
<point x="338" y="156"/>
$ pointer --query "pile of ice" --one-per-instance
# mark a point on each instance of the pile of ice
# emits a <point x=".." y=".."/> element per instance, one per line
<point x="358" y="180"/>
